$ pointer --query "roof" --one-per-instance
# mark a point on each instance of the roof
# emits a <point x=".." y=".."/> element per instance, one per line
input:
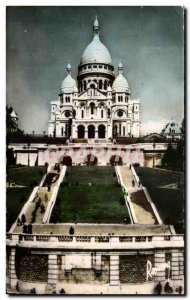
<point x="96" y="52"/>
<point x="171" y="127"/>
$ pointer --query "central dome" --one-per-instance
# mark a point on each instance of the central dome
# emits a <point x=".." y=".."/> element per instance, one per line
<point x="96" y="52"/>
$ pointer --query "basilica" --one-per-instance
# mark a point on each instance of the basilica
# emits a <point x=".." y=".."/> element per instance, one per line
<point x="98" y="105"/>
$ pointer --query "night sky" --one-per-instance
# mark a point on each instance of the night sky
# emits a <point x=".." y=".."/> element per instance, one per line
<point x="148" y="40"/>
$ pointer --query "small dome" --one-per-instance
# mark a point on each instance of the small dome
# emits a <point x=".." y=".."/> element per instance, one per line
<point x="120" y="84"/>
<point x="96" y="52"/>
<point x="68" y="85"/>
<point x="171" y="126"/>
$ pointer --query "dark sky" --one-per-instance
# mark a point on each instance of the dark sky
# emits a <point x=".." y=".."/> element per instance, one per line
<point x="148" y="40"/>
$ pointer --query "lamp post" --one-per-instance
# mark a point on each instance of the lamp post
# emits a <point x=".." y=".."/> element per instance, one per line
<point x="154" y="145"/>
<point x="28" y="145"/>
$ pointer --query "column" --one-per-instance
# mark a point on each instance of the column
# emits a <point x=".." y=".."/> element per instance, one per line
<point x="181" y="264"/>
<point x="159" y="258"/>
<point x="12" y="270"/>
<point x="114" y="270"/>
<point x="175" y="267"/>
<point x="52" y="269"/>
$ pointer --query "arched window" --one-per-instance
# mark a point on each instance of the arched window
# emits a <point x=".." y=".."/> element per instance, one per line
<point x="121" y="97"/>
<point x="92" y="108"/>
<point x="82" y="114"/>
<point x="92" y="89"/>
<point x="100" y="84"/>
<point x="102" y="113"/>
<point x="85" y="85"/>
<point x="61" y="130"/>
<point x="105" y="85"/>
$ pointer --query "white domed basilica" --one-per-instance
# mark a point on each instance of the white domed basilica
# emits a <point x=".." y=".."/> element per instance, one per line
<point x="98" y="105"/>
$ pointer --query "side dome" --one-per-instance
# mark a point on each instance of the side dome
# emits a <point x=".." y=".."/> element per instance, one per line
<point x="120" y="84"/>
<point x="96" y="52"/>
<point x="69" y="84"/>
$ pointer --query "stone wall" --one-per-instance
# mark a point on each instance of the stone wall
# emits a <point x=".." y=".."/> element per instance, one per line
<point x="31" y="267"/>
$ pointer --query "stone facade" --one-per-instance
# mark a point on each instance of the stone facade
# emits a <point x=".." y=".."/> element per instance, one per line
<point x="98" y="106"/>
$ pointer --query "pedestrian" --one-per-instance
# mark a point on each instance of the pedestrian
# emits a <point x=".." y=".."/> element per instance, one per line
<point x="46" y="198"/>
<point x="19" y="222"/>
<point x="23" y="218"/>
<point x="25" y="228"/>
<point x="168" y="288"/>
<point x="180" y="289"/>
<point x="30" y="228"/>
<point x="49" y="188"/>
<point x="133" y="183"/>
<point x="158" y="288"/>
<point x="130" y="167"/>
<point x="71" y="230"/>
<point x="139" y="184"/>
<point x="62" y="291"/>
<point x="58" y="168"/>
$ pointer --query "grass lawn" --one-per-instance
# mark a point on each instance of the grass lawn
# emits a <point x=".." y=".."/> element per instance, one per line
<point x="166" y="189"/>
<point x="16" y="198"/>
<point x="98" y="203"/>
<point x="93" y="174"/>
<point x="25" y="175"/>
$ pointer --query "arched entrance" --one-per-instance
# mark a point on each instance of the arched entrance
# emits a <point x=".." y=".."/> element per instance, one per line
<point x="91" y="131"/>
<point x="101" y="131"/>
<point x="66" y="160"/>
<point x="81" y="130"/>
<point x="91" y="160"/>
<point x="116" y="160"/>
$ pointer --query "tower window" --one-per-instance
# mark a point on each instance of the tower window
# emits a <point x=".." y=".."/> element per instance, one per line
<point x="105" y="85"/>
<point x="105" y="67"/>
<point x="82" y="114"/>
<point x="95" y="67"/>
<point x="89" y="67"/>
<point x="100" y="84"/>
<point x="100" y="67"/>
<point x="102" y="113"/>
<point x="67" y="99"/>
<point x="84" y="85"/>
<point x="62" y="131"/>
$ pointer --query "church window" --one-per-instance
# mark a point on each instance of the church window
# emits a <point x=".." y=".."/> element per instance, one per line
<point x="89" y="67"/>
<point x="100" y="84"/>
<point x="102" y="113"/>
<point x="85" y="68"/>
<point x="123" y="131"/>
<point x="105" y="85"/>
<point x="105" y="67"/>
<point x="95" y="67"/>
<point x="100" y="67"/>
<point x="121" y="98"/>
<point x="84" y="85"/>
<point x="120" y="129"/>
<point x="62" y="131"/>
<point x="120" y="113"/>
<point x="92" y="108"/>
<point x="82" y="114"/>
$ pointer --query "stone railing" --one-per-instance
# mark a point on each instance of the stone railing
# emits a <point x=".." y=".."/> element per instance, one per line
<point x="127" y="197"/>
<point x="106" y="241"/>
<point x="54" y="196"/>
